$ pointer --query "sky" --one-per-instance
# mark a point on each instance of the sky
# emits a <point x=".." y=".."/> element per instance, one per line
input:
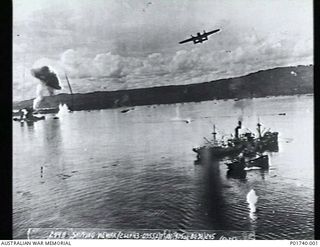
<point x="104" y="45"/>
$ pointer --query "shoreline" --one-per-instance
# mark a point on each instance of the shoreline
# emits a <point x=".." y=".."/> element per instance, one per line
<point x="268" y="83"/>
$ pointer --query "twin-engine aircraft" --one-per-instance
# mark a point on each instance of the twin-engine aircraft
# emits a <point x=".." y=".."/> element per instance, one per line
<point x="200" y="37"/>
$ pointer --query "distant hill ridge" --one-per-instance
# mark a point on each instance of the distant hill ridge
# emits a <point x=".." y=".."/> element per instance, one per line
<point x="272" y="82"/>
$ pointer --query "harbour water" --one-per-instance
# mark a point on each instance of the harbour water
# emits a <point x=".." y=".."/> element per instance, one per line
<point x="136" y="170"/>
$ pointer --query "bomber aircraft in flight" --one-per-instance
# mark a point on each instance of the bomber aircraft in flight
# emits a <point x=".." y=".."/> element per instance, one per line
<point x="200" y="37"/>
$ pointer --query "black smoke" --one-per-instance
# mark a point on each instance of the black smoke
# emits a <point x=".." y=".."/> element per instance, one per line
<point x="48" y="77"/>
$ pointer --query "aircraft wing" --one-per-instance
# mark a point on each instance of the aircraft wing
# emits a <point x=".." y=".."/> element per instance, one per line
<point x="187" y="40"/>
<point x="214" y="31"/>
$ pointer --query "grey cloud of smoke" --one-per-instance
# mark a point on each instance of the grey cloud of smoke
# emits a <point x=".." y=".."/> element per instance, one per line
<point x="49" y="82"/>
<point x="48" y="77"/>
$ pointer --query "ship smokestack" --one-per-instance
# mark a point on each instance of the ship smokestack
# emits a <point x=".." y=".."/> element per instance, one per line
<point x="237" y="129"/>
<point x="259" y="129"/>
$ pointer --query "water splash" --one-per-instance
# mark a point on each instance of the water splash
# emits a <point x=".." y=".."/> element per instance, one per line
<point x="293" y="73"/>
<point x="180" y="119"/>
<point x="63" y="110"/>
<point x="252" y="199"/>
<point x="185" y="120"/>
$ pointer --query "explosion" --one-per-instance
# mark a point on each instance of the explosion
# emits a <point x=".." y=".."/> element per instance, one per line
<point x="49" y="82"/>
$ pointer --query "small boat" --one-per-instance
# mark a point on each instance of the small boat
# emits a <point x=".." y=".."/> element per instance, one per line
<point x="240" y="164"/>
<point x="28" y="116"/>
<point x="237" y="165"/>
<point x="35" y="119"/>
<point x="125" y="110"/>
<point x="262" y="162"/>
<point x="46" y="110"/>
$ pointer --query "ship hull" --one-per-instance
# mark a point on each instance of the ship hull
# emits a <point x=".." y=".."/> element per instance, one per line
<point x="268" y="142"/>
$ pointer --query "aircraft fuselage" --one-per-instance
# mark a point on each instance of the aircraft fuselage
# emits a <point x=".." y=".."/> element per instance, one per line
<point x="200" y="38"/>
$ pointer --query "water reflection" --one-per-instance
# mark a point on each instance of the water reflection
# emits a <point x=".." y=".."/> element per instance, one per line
<point x="52" y="143"/>
<point x="52" y="130"/>
<point x="263" y="173"/>
<point x="30" y="124"/>
<point x="52" y="140"/>
<point x="212" y="198"/>
<point x="30" y="129"/>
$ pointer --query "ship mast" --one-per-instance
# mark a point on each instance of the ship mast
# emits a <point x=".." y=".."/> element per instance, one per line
<point x="214" y="133"/>
<point x="259" y="128"/>
<point x="70" y="90"/>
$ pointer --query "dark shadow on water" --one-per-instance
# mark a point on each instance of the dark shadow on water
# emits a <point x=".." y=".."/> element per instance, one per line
<point x="52" y="136"/>
<point x="53" y="145"/>
<point x="30" y="125"/>
<point x="212" y="196"/>
<point x="263" y="173"/>
<point x="30" y="129"/>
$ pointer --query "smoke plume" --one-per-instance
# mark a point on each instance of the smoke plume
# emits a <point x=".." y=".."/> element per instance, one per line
<point x="49" y="82"/>
<point x="47" y="76"/>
